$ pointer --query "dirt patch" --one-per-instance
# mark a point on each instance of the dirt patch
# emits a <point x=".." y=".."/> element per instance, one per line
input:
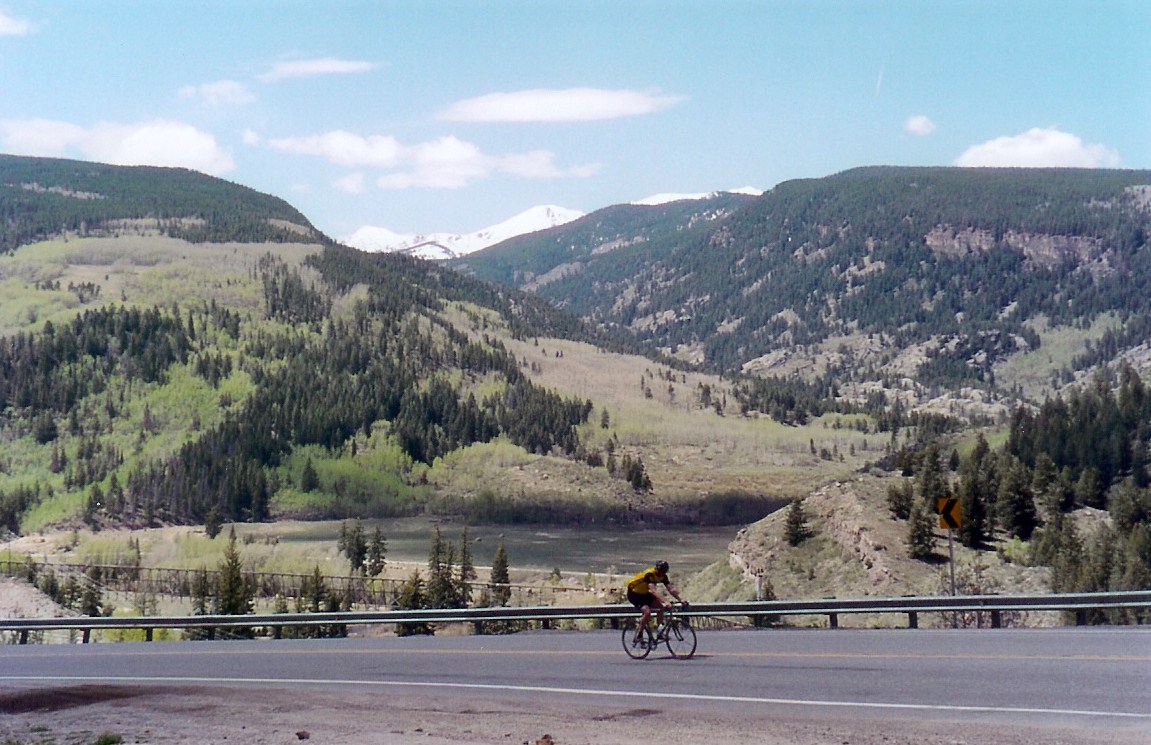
<point x="58" y="699"/>
<point x="262" y="716"/>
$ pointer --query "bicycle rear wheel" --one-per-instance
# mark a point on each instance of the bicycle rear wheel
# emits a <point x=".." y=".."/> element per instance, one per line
<point x="636" y="650"/>
<point x="680" y="639"/>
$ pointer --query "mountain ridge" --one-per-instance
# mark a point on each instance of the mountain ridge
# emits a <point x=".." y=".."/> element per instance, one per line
<point x="957" y="263"/>
<point x="443" y="246"/>
<point x="42" y="197"/>
<point x="447" y="246"/>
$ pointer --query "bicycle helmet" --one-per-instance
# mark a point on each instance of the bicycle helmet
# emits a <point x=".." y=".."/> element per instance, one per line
<point x="661" y="566"/>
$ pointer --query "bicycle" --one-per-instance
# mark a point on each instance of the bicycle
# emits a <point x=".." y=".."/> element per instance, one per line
<point x="673" y="631"/>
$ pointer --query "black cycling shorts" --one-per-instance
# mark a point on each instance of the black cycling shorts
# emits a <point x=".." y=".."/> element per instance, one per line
<point x="639" y="600"/>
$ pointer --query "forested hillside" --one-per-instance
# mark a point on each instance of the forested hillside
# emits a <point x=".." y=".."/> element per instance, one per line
<point x="42" y="197"/>
<point x="967" y="264"/>
<point x="124" y="411"/>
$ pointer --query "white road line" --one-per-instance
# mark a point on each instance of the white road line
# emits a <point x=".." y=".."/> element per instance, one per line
<point x="578" y="692"/>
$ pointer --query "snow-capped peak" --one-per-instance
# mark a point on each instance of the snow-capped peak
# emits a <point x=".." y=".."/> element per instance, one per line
<point x="441" y="246"/>
<point x="658" y="199"/>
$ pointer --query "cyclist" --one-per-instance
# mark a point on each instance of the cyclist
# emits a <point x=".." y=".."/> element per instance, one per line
<point x="639" y="593"/>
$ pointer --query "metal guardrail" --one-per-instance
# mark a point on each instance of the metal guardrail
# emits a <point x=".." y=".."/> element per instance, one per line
<point x="1081" y="603"/>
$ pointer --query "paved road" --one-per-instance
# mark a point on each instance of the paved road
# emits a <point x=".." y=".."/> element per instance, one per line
<point x="1089" y="677"/>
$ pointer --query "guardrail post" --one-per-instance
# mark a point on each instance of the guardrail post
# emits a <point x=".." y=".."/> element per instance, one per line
<point x="211" y="633"/>
<point x="996" y="619"/>
<point x="277" y="632"/>
<point x="147" y="635"/>
<point x="832" y="616"/>
<point x="86" y="636"/>
<point x="912" y="619"/>
<point x="1080" y="618"/>
<point x="23" y="636"/>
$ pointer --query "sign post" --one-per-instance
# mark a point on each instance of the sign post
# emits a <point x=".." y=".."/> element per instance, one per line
<point x="950" y="518"/>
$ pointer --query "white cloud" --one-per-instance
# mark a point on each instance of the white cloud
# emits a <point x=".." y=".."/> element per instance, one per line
<point x="353" y="183"/>
<point x="443" y="163"/>
<point x="344" y="148"/>
<point x="1040" y="147"/>
<point x="534" y="164"/>
<point x="219" y="93"/>
<point x="919" y="125"/>
<point x="251" y="137"/>
<point x="156" y="143"/>
<point x="570" y="105"/>
<point x="10" y="26"/>
<point x="40" y="136"/>
<point x="313" y="68"/>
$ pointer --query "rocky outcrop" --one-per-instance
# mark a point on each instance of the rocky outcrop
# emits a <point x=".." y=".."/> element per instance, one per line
<point x="1040" y="249"/>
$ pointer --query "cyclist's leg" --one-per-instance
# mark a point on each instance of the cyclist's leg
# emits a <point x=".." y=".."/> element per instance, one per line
<point x="644" y="603"/>
<point x="658" y="606"/>
<point x="635" y="649"/>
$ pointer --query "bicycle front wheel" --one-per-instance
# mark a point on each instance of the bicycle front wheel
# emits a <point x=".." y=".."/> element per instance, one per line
<point x="637" y="650"/>
<point x="680" y="639"/>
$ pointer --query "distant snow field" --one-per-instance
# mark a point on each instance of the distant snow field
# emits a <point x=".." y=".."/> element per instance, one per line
<point x="440" y="246"/>
<point x="443" y="246"/>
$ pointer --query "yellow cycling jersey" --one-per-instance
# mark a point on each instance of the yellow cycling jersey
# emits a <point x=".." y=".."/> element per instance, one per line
<point x="642" y="582"/>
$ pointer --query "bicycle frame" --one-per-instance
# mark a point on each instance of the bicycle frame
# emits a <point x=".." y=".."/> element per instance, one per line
<point x="676" y="633"/>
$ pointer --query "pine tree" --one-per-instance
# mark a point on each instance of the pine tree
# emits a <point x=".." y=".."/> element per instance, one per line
<point x="353" y="544"/>
<point x="280" y="605"/>
<point x="972" y="507"/>
<point x="377" y="553"/>
<point x="201" y="593"/>
<point x="94" y="505"/>
<point x="213" y="522"/>
<point x="1014" y="503"/>
<point x="202" y="603"/>
<point x="313" y="598"/>
<point x="921" y="532"/>
<point x="442" y="591"/>
<point x="91" y="597"/>
<point x="467" y="571"/>
<point x="233" y="591"/>
<point x="976" y="477"/>
<point x="412" y="597"/>
<point x="1089" y="488"/>
<point x="796" y="529"/>
<point x="314" y="591"/>
<point x="930" y="481"/>
<point x="900" y="499"/>
<point x="309" y="479"/>
<point x="501" y="591"/>
<point x="498" y="592"/>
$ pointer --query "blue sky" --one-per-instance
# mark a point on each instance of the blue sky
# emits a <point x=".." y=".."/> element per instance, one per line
<point x="433" y="115"/>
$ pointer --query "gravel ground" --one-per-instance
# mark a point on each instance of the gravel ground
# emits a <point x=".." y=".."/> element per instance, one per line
<point x="200" y="715"/>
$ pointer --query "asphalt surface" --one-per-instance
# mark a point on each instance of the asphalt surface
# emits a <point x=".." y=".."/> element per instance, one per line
<point x="1098" y="678"/>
